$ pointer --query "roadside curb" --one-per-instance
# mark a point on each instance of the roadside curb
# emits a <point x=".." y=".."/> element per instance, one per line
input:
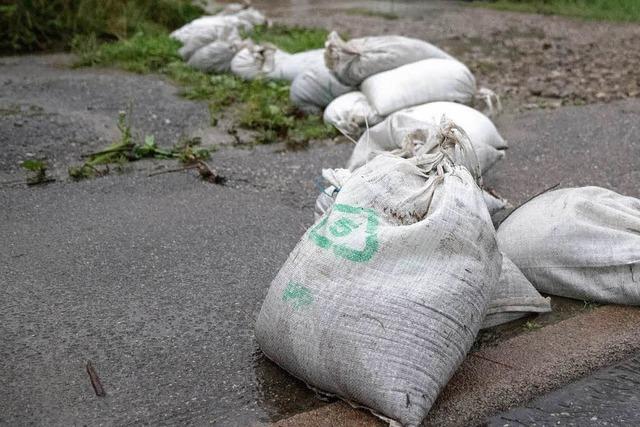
<point x="515" y="371"/>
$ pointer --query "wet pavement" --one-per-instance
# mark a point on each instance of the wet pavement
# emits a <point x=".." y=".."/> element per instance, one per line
<point x="605" y="398"/>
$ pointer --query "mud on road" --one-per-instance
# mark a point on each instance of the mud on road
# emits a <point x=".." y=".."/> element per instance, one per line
<point x="531" y="60"/>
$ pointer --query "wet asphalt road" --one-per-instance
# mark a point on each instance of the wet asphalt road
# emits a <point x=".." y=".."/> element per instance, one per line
<point x="608" y="397"/>
<point x="158" y="280"/>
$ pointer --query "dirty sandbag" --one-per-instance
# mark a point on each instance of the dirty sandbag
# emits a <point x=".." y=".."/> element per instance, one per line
<point x="424" y="81"/>
<point x="581" y="243"/>
<point x="211" y="35"/>
<point x="209" y="26"/>
<point x="381" y="300"/>
<point x="357" y="59"/>
<point x="391" y="132"/>
<point x="337" y="177"/>
<point x="351" y="114"/>
<point x="514" y="297"/>
<point x="314" y="89"/>
<point x="267" y="61"/>
<point x="256" y="60"/>
<point x="215" y="57"/>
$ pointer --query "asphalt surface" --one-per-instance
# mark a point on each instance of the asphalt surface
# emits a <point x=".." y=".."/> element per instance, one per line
<point x="158" y="280"/>
<point x="608" y="397"/>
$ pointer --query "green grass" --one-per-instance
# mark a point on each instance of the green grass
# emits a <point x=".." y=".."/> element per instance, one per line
<point x="369" y="12"/>
<point x="609" y="10"/>
<point x="289" y="39"/>
<point x="258" y="105"/>
<point x="31" y="25"/>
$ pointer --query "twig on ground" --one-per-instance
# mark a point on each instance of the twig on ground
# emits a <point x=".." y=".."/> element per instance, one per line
<point x="95" y="380"/>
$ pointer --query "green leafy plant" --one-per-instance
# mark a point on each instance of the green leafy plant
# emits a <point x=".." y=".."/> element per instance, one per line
<point x="531" y="325"/>
<point x="37" y="171"/>
<point x="291" y="39"/>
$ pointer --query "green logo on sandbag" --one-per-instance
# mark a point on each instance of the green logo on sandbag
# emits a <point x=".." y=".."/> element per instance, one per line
<point x="351" y="231"/>
<point x="298" y="295"/>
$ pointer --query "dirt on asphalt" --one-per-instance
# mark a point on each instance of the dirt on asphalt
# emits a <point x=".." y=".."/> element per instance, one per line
<point x="531" y="60"/>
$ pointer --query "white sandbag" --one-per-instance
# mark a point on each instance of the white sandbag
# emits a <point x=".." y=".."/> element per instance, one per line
<point x="391" y="133"/>
<point x="271" y="63"/>
<point x="200" y="39"/>
<point x="581" y="243"/>
<point x="208" y="25"/>
<point x="472" y="121"/>
<point x="256" y="61"/>
<point x="424" y="81"/>
<point x="327" y="197"/>
<point x="314" y="89"/>
<point x="513" y="298"/>
<point x="357" y="59"/>
<point x="381" y="300"/>
<point x="351" y="114"/>
<point x="494" y="203"/>
<point x="215" y="57"/>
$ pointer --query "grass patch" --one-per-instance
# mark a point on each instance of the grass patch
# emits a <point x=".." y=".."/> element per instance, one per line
<point x="289" y="39"/>
<point x="258" y="105"/>
<point x="31" y="25"/>
<point x="37" y="171"/>
<point x="608" y="10"/>
<point x="369" y="12"/>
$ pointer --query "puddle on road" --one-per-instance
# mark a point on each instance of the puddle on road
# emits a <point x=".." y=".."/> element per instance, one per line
<point x="279" y="394"/>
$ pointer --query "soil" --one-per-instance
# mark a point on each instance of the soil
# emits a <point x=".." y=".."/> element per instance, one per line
<point x="531" y="60"/>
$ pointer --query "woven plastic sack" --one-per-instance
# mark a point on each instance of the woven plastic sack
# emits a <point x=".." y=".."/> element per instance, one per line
<point x="205" y="36"/>
<point x="420" y="82"/>
<point x="581" y="243"/>
<point x="273" y="64"/>
<point x="337" y="178"/>
<point x="514" y="297"/>
<point x="314" y="89"/>
<point x="357" y="59"/>
<point x="351" y="114"/>
<point x="215" y="57"/>
<point x="207" y="29"/>
<point x="381" y="300"/>
<point x="391" y="133"/>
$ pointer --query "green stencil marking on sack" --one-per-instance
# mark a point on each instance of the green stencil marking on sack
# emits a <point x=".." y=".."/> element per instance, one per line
<point x="298" y="295"/>
<point x="351" y="231"/>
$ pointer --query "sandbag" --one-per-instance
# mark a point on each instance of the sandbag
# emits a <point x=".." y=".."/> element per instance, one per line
<point x="357" y="59"/>
<point x="581" y="243"/>
<point x="381" y="300"/>
<point x="200" y="39"/>
<point x="351" y="114"/>
<point x="256" y="61"/>
<point x="390" y="134"/>
<point x="513" y="298"/>
<point x="314" y="89"/>
<point x="207" y="25"/>
<point x="337" y="177"/>
<point x="271" y="63"/>
<point x="215" y="57"/>
<point x="420" y="82"/>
